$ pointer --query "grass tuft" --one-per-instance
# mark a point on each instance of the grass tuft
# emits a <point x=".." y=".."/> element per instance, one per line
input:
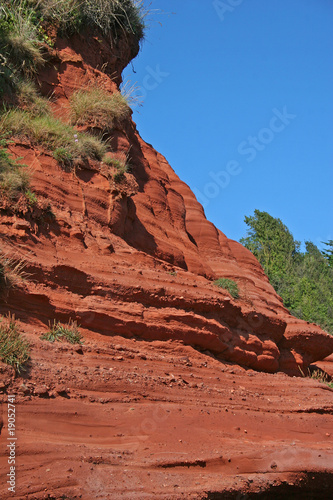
<point x="318" y="375"/>
<point x="14" y="177"/>
<point x="121" y="164"/>
<point x="12" y="272"/>
<point x="96" y="107"/>
<point x="229" y="285"/>
<point x="113" y="18"/>
<point x="52" y="134"/>
<point x="19" y="37"/>
<point x="30" y="100"/>
<point x="58" y="332"/>
<point x="14" y="349"/>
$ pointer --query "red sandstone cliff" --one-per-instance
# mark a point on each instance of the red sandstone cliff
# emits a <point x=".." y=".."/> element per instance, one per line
<point x="123" y="417"/>
<point x="106" y="258"/>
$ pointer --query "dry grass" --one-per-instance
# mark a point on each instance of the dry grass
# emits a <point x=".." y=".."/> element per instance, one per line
<point x="14" y="177"/>
<point x="113" y="18"/>
<point x="318" y="375"/>
<point x="30" y="100"/>
<point x="19" y="37"/>
<point x="51" y="133"/>
<point x="98" y="108"/>
<point x="12" y="272"/>
<point x="121" y="163"/>
<point x="14" y="349"/>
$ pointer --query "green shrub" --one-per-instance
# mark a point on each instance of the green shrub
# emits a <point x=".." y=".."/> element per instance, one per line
<point x="63" y="156"/>
<point x="31" y="197"/>
<point x="68" y="332"/>
<point x="229" y="285"/>
<point x="98" y="108"/>
<point x="52" y="134"/>
<point x="303" y="279"/>
<point x="14" y="349"/>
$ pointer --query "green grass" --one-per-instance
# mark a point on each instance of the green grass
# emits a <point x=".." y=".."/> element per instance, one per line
<point x="229" y="285"/>
<point x="20" y="43"/>
<point x="63" y="156"/>
<point x="68" y="332"/>
<point x="29" y="99"/>
<point x="113" y="18"/>
<point x="52" y="134"/>
<point x="121" y="164"/>
<point x="25" y="33"/>
<point x="14" y="349"/>
<point x="14" y="177"/>
<point x="98" y="108"/>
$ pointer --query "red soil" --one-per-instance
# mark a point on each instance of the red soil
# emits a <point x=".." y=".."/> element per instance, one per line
<point x="140" y="411"/>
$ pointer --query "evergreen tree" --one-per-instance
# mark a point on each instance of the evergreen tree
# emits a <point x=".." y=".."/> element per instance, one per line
<point x="303" y="280"/>
<point x="328" y="252"/>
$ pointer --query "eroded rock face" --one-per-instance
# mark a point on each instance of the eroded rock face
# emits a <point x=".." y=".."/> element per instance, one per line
<point x="138" y="258"/>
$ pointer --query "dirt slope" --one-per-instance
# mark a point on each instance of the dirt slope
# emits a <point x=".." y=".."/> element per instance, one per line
<point x="131" y="419"/>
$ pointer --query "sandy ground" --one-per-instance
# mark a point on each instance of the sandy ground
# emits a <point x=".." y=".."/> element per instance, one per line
<point x="129" y="419"/>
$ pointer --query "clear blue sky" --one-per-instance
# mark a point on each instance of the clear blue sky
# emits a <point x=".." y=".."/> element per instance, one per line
<point x="237" y="95"/>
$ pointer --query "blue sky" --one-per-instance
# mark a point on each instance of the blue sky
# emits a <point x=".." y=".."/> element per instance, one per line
<point x="237" y="95"/>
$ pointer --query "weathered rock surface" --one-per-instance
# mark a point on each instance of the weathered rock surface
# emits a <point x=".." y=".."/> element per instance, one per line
<point x="153" y="419"/>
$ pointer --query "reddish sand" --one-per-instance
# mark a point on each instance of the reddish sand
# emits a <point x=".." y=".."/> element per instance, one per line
<point x="165" y="398"/>
<point x="133" y="419"/>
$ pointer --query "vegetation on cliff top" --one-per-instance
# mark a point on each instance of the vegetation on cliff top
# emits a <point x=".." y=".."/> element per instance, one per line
<point x="113" y="18"/>
<point x="304" y="280"/>
<point x="27" y="28"/>
<point x="27" y="31"/>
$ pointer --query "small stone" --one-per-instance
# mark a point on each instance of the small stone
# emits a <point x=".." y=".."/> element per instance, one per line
<point x="76" y="233"/>
<point x="22" y="225"/>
